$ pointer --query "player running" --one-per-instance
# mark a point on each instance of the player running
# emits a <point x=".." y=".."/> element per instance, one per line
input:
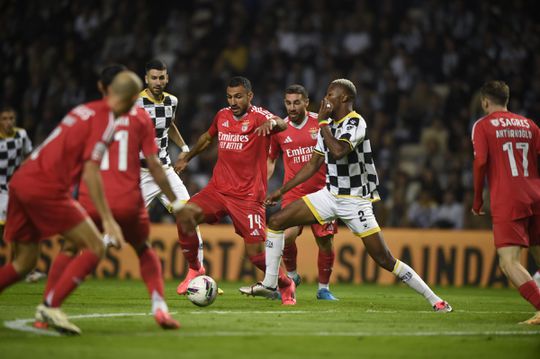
<point x="296" y="145"/>
<point x="238" y="185"/>
<point x="506" y="149"/>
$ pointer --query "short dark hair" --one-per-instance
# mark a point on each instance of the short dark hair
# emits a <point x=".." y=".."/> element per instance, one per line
<point x="496" y="91"/>
<point x="7" y="108"/>
<point x="155" y="64"/>
<point x="108" y="73"/>
<point x="240" y="81"/>
<point x="297" y="89"/>
<point x="348" y="86"/>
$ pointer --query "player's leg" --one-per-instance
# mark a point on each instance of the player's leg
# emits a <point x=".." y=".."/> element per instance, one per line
<point x="67" y="252"/>
<point x="324" y="236"/>
<point x="534" y="242"/>
<point x="25" y="257"/>
<point x="290" y="253"/>
<point x="535" y="253"/>
<point x="180" y="191"/>
<point x="358" y="216"/>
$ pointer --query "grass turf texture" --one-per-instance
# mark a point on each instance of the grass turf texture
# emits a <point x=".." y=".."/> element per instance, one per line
<point x="375" y="321"/>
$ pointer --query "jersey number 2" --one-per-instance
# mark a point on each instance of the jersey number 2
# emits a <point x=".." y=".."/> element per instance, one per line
<point x="122" y="138"/>
<point x="524" y="147"/>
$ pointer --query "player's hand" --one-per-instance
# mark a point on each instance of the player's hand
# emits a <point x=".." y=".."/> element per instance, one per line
<point x="273" y="198"/>
<point x="266" y="128"/>
<point x="188" y="217"/>
<point x="112" y="234"/>
<point x="181" y="162"/>
<point x="325" y="110"/>
<point x="478" y="211"/>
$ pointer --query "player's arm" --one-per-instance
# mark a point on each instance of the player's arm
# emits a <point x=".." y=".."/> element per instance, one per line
<point x="273" y="125"/>
<point x="202" y="143"/>
<point x="92" y="177"/>
<point x="479" y="168"/>
<point x="337" y="148"/>
<point x="270" y="167"/>
<point x="306" y="172"/>
<point x="176" y="137"/>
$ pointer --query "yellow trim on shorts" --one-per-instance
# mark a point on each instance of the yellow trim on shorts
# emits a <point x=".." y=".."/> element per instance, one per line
<point x="275" y="232"/>
<point x="372" y="200"/>
<point x="313" y="210"/>
<point x="369" y="232"/>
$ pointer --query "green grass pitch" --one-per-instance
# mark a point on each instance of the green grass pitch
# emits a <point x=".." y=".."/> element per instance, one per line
<point x="368" y="322"/>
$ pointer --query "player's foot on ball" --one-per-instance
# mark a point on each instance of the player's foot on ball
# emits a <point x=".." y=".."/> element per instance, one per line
<point x="297" y="279"/>
<point x="325" y="294"/>
<point x="57" y="320"/>
<point x="220" y="291"/>
<point x="288" y="294"/>
<point x="442" y="307"/>
<point x="534" y="320"/>
<point x="192" y="273"/>
<point x="165" y="320"/>
<point x="260" y="290"/>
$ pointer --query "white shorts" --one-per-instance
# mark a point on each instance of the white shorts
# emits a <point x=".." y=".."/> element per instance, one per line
<point x="3" y="207"/>
<point x="355" y="212"/>
<point x="151" y="190"/>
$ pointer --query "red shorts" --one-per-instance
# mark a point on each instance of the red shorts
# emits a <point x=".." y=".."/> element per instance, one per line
<point x="318" y="230"/>
<point x="248" y="217"/>
<point x="133" y="221"/>
<point x="523" y="232"/>
<point x="31" y="218"/>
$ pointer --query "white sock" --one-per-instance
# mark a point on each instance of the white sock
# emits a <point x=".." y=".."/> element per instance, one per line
<point x="292" y="274"/>
<point x="200" y="254"/>
<point x="324" y="286"/>
<point x="275" y="241"/>
<point x="158" y="303"/>
<point x="536" y="278"/>
<point x="413" y="280"/>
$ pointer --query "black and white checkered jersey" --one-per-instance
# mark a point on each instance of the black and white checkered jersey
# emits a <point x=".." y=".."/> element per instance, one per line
<point x="162" y="114"/>
<point x="13" y="150"/>
<point x="355" y="173"/>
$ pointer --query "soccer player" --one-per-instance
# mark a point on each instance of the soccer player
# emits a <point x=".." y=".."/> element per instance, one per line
<point x="41" y="205"/>
<point x="506" y="150"/>
<point x="296" y="145"/>
<point x="238" y="185"/>
<point x="161" y="106"/>
<point x="15" y="145"/>
<point x="351" y="186"/>
<point x="120" y="170"/>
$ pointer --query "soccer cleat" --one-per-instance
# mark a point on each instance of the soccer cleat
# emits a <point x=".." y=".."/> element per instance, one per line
<point x="534" y="320"/>
<point x="40" y="322"/>
<point x="165" y="320"/>
<point x="57" y="320"/>
<point x="288" y="294"/>
<point x="35" y="276"/>
<point x="442" y="307"/>
<point x="325" y="294"/>
<point x="192" y="273"/>
<point x="260" y="290"/>
<point x="297" y="279"/>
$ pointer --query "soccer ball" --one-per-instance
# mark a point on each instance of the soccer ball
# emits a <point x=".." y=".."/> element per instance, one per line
<point x="202" y="290"/>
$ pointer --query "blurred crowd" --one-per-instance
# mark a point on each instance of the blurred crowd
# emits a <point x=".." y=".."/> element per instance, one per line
<point x="417" y="66"/>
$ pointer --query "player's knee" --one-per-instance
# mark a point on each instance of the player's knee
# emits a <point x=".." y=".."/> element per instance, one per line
<point x="97" y="247"/>
<point x="25" y="263"/>
<point x="276" y="222"/>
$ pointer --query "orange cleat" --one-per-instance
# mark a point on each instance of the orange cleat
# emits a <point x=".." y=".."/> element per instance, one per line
<point x="165" y="320"/>
<point x="192" y="273"/>
<point x="288" y="294"/>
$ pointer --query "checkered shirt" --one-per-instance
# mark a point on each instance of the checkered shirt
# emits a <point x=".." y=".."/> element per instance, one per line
<point x="162" y="114"/>
<point x="354" y="174"/>
<point x="13" y="150"/>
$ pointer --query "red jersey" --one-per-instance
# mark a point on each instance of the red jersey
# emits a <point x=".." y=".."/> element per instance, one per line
<point x="120" y="166"/>
<point x="241" y="170"/>
<point x="296" y="144"/>
<point x="510" y="145"/>
<point x="56" y="165"/>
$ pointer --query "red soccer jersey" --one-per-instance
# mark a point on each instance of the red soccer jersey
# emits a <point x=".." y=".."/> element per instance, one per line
<point x="241" y="170"/>
<point x="120" y="166"/>
<point x="56" y="165"/>
<point x="510" y="145"/>
<point x="297" y="144"/>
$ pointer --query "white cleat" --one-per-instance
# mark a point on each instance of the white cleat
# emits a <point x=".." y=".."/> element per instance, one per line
<point x="534" y="320"/>
<point x="259" y="290"/>
<point x="442" y="307"/>
<point x="57" y="320"/>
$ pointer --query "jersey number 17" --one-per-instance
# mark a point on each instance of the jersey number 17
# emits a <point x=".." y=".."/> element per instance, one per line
<point x="524" y="148"/>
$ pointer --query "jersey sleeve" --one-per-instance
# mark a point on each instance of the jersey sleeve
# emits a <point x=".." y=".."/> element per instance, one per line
<point x="213" y="130"/>
<point x="148" y="144"/>
<point x="100" y="136"/>
<point x="319" y="147"/>
<point x="354" y="131"/>
<point x="27" y="143"/>
<point x="479" y="141"/>
<point x="275" y="148"/>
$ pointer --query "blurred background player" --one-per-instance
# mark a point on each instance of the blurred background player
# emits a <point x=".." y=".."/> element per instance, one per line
<point x="506" y="149"/>
<point x="120" y="170"/>
<point x="239" y="182"/>
<point x="296" y="144"/>
<point x="351" y="186"/>
<point x="41" y="204"/>
<point x="161" y="106"/>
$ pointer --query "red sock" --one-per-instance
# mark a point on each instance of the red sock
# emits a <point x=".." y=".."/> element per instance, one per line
<point x="325" y="262"/>
<point x="290" y="251"/>
<point x="531" y="293"/>
<point x="151" y="272"/>
<point x="61" y="261"/>
<point x="8" y="276"/>
<point x="75" y="272"/>
<point x="190" y="247"/>
<point x="259" y="261"/>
